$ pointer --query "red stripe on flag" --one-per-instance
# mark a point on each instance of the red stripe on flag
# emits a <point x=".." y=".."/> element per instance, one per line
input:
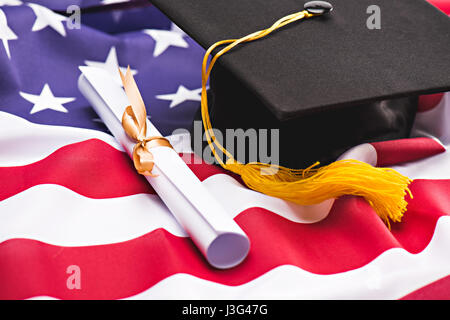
<point x="428" y="102"/>
<point x="405" y="150"/>
<point x="92" y="168"/>
<point x="431" y="201"/>
<point x="438" y="290"/>
<point x="443" y="5"/>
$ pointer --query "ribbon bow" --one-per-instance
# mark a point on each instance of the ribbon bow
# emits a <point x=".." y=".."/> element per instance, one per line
<point x="134" y="122"/>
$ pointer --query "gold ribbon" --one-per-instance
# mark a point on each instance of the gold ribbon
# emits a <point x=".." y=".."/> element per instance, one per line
<point x="134" y="122"/>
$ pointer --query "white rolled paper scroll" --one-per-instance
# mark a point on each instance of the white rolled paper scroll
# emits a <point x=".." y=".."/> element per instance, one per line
<point x="212" y="229"/>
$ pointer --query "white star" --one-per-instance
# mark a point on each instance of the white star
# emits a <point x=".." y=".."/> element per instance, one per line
<point x="181" y="96"/>
<point x="10" y="2"/>
<point x="164" y="39"/>
<point x="47" y="18"/>
<point x="6" y="33"/>
<point x="177" y="29"/>
<point x="46" y="100"/>
<point x="111" y="65"/>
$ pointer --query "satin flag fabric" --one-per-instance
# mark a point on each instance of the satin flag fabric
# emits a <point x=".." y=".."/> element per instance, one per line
<point x="66" y="228"/>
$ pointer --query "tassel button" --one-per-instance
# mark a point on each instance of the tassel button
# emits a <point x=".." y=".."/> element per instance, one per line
<point x="318" y="7"/>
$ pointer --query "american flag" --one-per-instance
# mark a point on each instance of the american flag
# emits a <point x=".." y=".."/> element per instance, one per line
<point x="71" y="228"/>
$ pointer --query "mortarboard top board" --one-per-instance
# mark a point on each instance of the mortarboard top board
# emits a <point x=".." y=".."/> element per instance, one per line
<point x="328" y="82"/>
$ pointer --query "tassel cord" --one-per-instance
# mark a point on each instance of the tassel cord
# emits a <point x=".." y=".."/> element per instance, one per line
<point x="383" y="188"/>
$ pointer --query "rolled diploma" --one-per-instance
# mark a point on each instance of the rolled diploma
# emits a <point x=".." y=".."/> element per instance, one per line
<point x="215" y="233"/>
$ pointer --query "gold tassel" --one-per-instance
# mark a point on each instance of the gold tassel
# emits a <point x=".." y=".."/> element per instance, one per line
<point x="383" y="188"/>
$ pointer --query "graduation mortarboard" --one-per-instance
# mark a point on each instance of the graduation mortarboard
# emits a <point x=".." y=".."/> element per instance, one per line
<point x="328" y="83"/>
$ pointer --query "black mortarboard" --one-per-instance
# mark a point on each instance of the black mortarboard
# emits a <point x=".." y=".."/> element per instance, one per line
<point x="328" y="83"/>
